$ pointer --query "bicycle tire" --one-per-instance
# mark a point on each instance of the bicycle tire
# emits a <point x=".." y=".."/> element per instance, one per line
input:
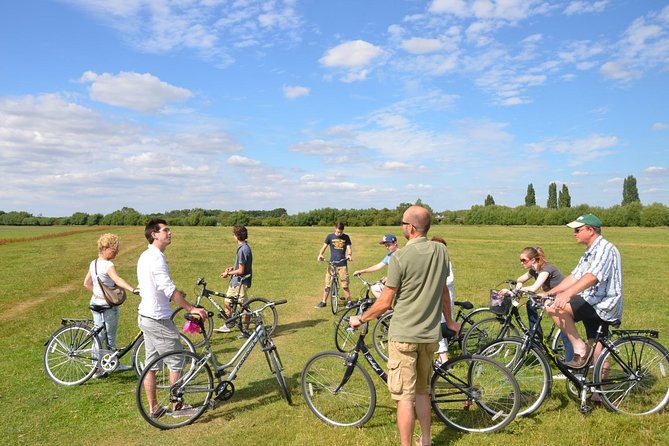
<point x="71" y="355"/>
<point x="276" y="367"/>
<point x="529" y="366"/>
<point x="196" y="383"/>
<point x="270" y="317"/>
<point x="380" y="335"/>
<point x="345" y="338"/>
<point x="353" y="405"/>
<point x="197" y="339"/>
<point x="473" y="393"/>
<point x="334" y="295"/>
<point x="645" y="390"/>
<point x="139" y="353"/>
<point x="483" y="332"/>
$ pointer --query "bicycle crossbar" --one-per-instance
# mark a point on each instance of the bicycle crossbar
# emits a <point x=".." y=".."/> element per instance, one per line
<point x="649" y="333"/>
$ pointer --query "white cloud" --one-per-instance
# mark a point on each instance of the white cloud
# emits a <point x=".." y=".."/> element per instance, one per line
<point x="578" y="173"/>
<point x="585" y="7"/>
<point x="141" y="92"/>
<point x="577" y="151"/>
<point x="661" y="126"/>
<point x="295" y="91"/>
<point x="242" y="161"/>
<point x="352" y="54"/>
<point x="417" y="45"/>
<point x="510" y="10"/>
<point x="656" y="170"/>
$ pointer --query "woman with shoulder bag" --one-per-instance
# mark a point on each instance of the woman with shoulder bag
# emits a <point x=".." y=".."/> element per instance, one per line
<point x="102" y="270"/>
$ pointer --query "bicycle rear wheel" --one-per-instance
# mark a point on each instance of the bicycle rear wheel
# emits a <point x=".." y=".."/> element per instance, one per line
<point x="529" y="366"/>
<point x="276" y="367"/>
<point x="269" y="315"/>
<point x="334" y="295"/>
<point x="71" y="355"/>
<point x="380" y="335"/>
<point x="639" y="383"/>
<point x="349" y="405"/>
<point x="473" y="393"/>
<point x="181" y="402"/>
<point x="483" y="332"/>
<point x="139" y="352"/>
<point x="197" y="339"/>
<point x="345" y="338"/>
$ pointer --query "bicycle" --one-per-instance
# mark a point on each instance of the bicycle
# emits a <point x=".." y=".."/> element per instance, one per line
<point x="344" y="335"/>
<point x="74" y="352"/>
<point x="380" y="334"/>
<point x="506" y="321"/>
<point x="629" y="376"/>
<point x="469" y="393"/>
<point x="237" y="307"/>
<point x="196" y="383"/>
<point x="333" y="293"/>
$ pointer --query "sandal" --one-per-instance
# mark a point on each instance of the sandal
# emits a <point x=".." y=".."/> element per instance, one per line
<point x="159" y="412"/>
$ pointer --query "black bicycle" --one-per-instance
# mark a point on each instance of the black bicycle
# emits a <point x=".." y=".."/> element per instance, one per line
<point x="469" y="393"/>
<point x="333" y="293"/>
<point x="345" y="338"/>
<point x="74" y="352"/>
<point x="237" y="306"/>
<point x="629" y="376"/>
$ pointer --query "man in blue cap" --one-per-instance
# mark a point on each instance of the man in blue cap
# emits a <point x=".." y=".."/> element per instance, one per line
<point x="390" y="242"/>
<point x="592" y="293"/>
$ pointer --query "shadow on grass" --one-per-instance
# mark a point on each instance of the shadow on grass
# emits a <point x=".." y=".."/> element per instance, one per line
<point x="285" y="329"/>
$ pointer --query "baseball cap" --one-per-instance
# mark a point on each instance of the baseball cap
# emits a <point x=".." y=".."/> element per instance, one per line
<point x="583" y="220"/>
<point x="388" y="238"/>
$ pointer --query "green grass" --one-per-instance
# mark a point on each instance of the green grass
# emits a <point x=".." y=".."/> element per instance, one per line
<point x="41" y="281"/>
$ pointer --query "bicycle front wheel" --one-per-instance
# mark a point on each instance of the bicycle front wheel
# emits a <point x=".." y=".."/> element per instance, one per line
<point x="184" y="386"/>
<point x="139" y="352"/>
<point x="638" y="384"/>
<point x="334" y="295"/>
<point x="197" y="339"/>
<point x="473" y="393"/>
<point x="345" y="337"/>
<point x="341" y="405"/>
<point x="270" y="317"/>
<point x="530" y="367"/>
<point x="276" y="367"/>
<point x="71" y="355"/>
<point x="484" y="331"/>
<point x="380" y="335"/>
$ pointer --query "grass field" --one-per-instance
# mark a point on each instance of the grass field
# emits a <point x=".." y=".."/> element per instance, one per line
<point x="41" y="281"/>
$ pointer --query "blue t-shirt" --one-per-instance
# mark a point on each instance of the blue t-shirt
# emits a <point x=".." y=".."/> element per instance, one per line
<point x="338" y="244"/>
<point x="386" y="259"/>
<point x="244" y="257"/>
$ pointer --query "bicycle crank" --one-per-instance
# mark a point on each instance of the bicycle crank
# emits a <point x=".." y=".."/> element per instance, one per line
<point x="224" y="391"/>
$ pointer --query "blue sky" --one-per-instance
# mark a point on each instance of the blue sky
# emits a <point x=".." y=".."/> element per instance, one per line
<point x="162" y="105"/>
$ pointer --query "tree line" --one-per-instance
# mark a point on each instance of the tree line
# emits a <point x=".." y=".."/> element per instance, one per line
<point x="558" y="211"/>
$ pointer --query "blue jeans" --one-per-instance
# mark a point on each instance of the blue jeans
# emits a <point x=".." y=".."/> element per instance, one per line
<point x="532" y="315"/>
<point x="110" y="326"/>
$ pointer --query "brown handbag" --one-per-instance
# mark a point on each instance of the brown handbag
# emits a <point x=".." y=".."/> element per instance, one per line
<point x="113" y="295"/>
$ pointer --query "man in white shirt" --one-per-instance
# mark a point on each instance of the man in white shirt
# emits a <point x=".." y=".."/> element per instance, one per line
<point x="156" y="290"/>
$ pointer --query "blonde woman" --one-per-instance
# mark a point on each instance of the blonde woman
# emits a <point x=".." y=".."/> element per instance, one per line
<point x="108" y="246"/>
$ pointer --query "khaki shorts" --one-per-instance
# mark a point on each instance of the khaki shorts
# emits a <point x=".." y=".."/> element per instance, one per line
<point x="342" y="272"/>
<point x="409" y="369"/>
<point x="237" y="291"/>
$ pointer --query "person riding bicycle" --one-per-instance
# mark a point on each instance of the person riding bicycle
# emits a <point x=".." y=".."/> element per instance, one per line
<point x="241" y="273"/>
<point x="390" y="242"/>
<point x="592" y="293"/>
<point x="154" y="312"/>
<point x="340" y="254"/>
<point x="108" y="246"/>
<point x="546" y="276"/>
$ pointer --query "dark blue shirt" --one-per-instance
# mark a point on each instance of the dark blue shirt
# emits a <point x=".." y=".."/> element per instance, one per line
<point x="338" y="244"/>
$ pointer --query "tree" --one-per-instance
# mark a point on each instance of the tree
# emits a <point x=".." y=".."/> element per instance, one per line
<point x="552" y="202"/>
<point x="564" y="200"/>
<point x="630" y="192"/>
<point x="530" y="197"/>
<point x="489" y="201"/>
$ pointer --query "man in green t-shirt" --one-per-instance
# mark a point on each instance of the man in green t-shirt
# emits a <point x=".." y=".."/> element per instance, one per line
<point x="417" y="285"/>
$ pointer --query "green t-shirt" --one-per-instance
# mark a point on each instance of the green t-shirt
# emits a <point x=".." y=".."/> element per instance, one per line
<point x="418" y="272"/>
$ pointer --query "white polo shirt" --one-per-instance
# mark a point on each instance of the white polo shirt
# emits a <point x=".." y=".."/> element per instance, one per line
<point x="155" y="285"/>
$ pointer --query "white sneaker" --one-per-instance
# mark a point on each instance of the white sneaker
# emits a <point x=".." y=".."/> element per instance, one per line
<point x="123" y="367"/>
<point x="222" y="329"/>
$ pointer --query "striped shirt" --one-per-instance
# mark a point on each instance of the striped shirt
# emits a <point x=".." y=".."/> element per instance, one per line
<point x="602" y="260"/>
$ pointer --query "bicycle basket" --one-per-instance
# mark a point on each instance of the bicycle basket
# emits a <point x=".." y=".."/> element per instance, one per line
<point x="499" y="302"/>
